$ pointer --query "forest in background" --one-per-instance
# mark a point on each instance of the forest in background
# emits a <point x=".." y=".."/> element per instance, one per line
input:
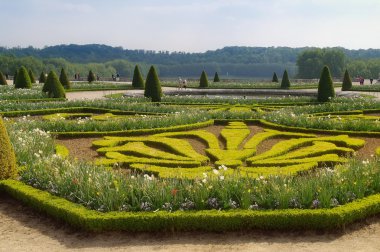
<point x="229" y="62"/>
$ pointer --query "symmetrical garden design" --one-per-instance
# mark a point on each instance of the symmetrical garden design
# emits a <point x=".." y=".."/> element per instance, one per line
<point x="171" y="155"/>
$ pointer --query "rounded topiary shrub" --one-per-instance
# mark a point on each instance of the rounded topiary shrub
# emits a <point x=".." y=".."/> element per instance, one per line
<point x="64" y="80"/>
<point x="31" y="76"/>
<point x="325" y="87"/>
<point x="90" y="77"/>
<point x="53" y="86"/>
<point x="23" y="79"/>
<point x="137" y="81"/>
<point x="8" y="167"/>
<point x="216" y="77"/>
<point x="152" y="86"/>
<point x="203" y="82"/>
<point x="347" y="83"/>
<point x="42" y="78"/>
<point x="3" y="80"/>
<point x="275" y="78"/>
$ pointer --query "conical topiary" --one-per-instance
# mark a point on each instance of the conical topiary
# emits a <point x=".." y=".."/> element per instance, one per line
<point x="203" y="82"/>
<point x="90" y="77"/>
<point x="8" y="167"/>
<point x="53" y="86"/>
<point x="42" y="78"/>
<point x="23" y="79"/>
<point x="31" y="76"/>
<point x="153" y="86"/>
<point x="3" y="80"/>
<point x="285" y="83"/>
<point x="347" y="83"/>
<point x="15" y="77"/>
<point x="325" y="87"/>
<point x="137" y="81"/>
<point x="64" y="80"/>
<point x="216" y="77"/>
<point x="274" y="78"/>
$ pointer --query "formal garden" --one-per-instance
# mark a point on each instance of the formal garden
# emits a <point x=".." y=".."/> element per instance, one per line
<point x="182" y="163"/>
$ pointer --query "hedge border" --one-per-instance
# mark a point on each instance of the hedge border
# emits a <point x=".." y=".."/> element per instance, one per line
<point x="270" y="125"/>
<point x="74" y="110"/>
<point x="208" y="220"/>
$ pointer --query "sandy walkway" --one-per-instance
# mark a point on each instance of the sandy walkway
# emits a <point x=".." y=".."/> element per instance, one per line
<point x="22" y="229"/>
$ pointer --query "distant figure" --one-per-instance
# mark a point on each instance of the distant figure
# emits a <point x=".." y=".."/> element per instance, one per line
<point x="75" y="76"/>
<point x="117" y="77"/>
<point x="371" y="80"/>
<point x="6" y="76"/>
<point x="361" y="80"/>
<point x="182" y="83"/>
<point x="113" y="77"/>
<point x="78" y="76"/>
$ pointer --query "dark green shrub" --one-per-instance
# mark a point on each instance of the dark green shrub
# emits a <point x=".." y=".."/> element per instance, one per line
<point x="3" y="81"/>
<point x="274" y="78"/>
<point x="31" y="76"/>
<point x="64" y="80"/>
<point x="15" y="77"/>
<point x="153" y="86"/>
<point x="285" y="83"/>
<point x="216" y="77"/>
<point x="53" y="86"/>
<point x="91" y="77"/>
<point x="137" y="81"/>
<point x="7" y="156"/>
<point x="203" y="82"/>
<point x="42" y="78"/>
<point x="347" y="83"/>
<point x="325" y="87"/>
<point x="23" y="79"/>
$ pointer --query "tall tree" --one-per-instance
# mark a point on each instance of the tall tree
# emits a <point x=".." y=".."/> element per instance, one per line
<point x="153" y="86"/>
<point x="64" y="80"/>
<point x="325" y="87"/>
<point x="285" y="83"/>
<point x="203" y="82"/>
<point x="137" y="81"/>
<point x="347" y="83"/>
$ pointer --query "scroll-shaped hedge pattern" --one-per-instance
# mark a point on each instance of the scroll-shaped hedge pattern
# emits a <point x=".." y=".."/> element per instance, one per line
<point x="171" y="154"/>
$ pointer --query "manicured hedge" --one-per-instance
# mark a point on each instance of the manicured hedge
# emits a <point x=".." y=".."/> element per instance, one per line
<point x="208" y="220"/>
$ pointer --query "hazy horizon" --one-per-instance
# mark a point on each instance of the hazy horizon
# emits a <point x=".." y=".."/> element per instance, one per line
<point x="191" y="26"/>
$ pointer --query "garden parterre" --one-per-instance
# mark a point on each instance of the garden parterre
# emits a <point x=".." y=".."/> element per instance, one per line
<point x="166" y="174"/>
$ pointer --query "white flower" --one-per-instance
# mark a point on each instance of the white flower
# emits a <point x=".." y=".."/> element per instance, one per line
<point x="204" y="180"/>
<point x="221" y="177"/>
<point x="216" y="172"/>
<point x="205" y="175"/>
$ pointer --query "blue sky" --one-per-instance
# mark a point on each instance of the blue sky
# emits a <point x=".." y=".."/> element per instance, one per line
<point x="191" y="26"/>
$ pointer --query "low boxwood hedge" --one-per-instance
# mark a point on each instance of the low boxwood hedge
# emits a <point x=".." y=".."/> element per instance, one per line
<point x="208" y="220"/>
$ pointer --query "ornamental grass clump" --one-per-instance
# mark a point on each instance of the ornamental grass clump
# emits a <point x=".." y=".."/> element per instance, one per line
<point x="8" y="167"/>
